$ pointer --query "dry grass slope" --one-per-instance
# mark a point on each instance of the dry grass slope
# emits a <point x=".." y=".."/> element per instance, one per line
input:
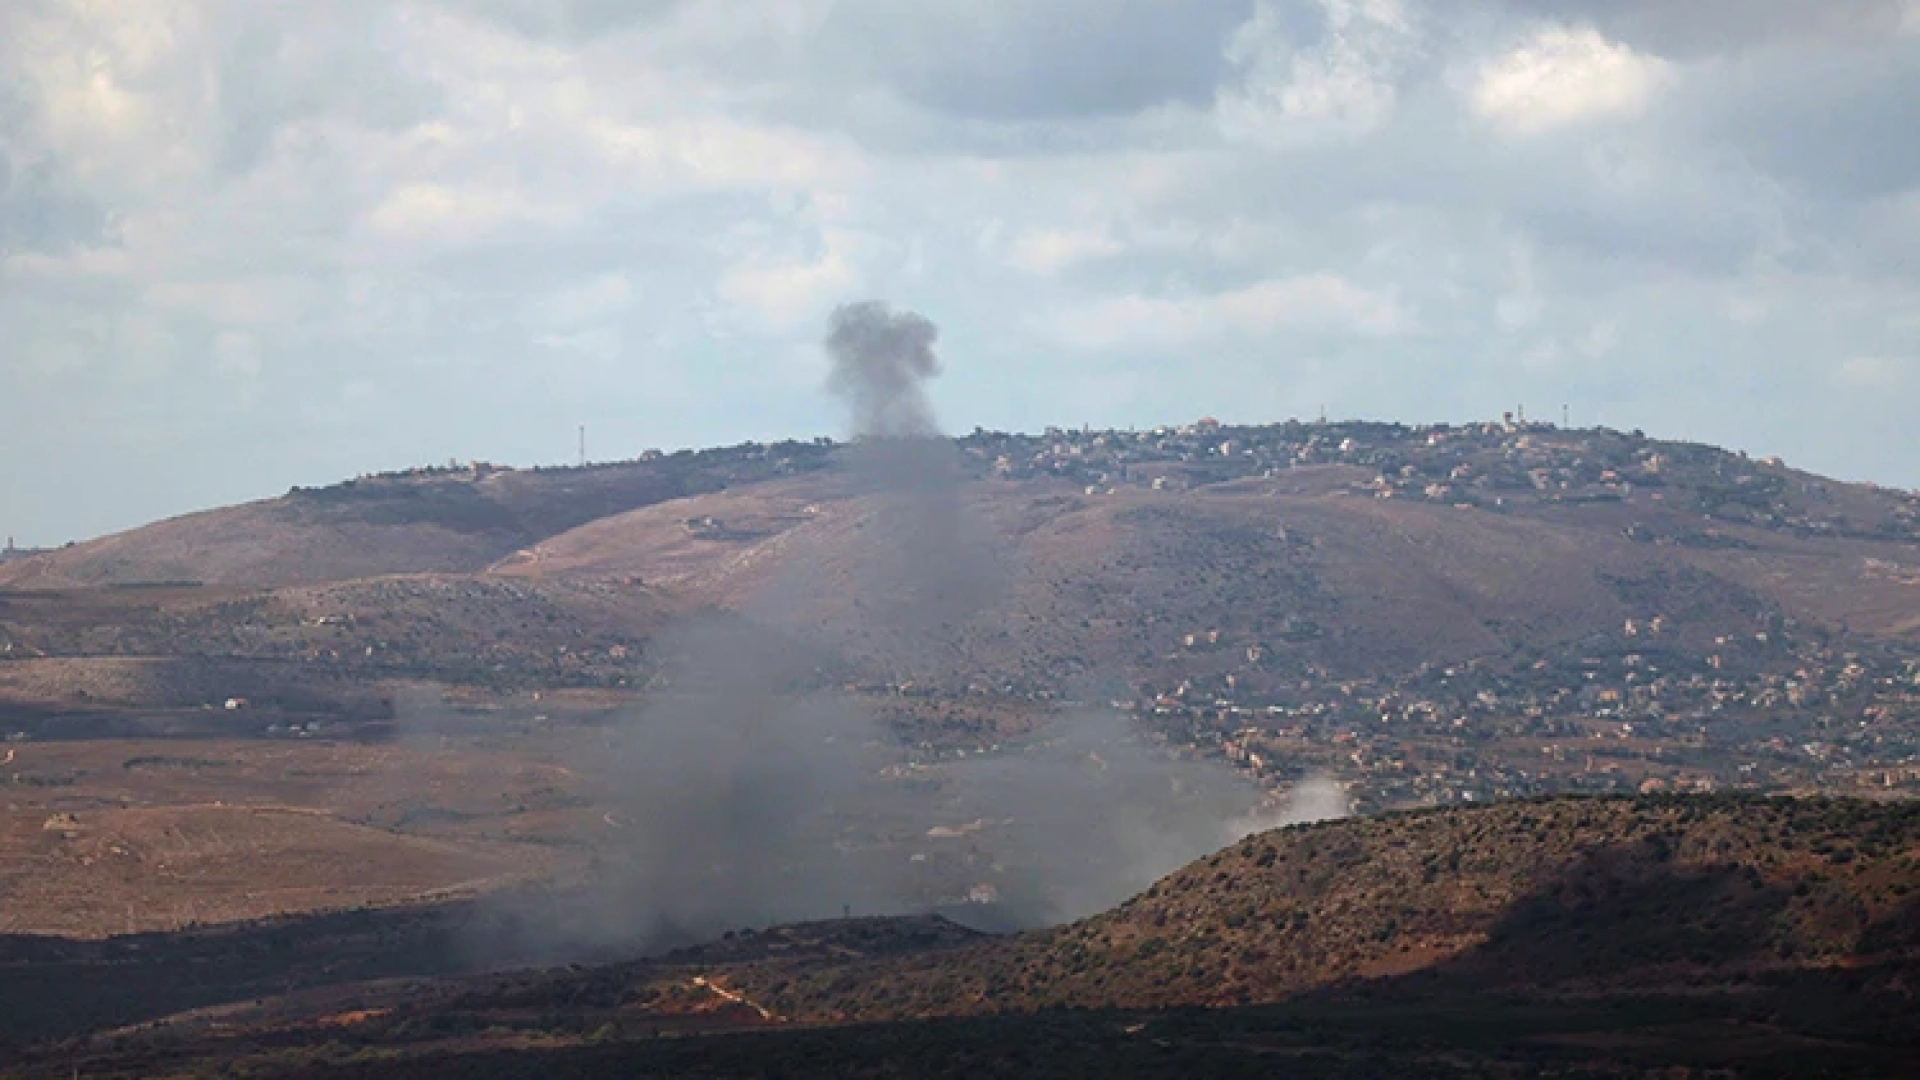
<point x="1567" y="892"/>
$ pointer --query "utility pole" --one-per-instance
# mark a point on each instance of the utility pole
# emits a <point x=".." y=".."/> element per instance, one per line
<point x="583" y="445"/>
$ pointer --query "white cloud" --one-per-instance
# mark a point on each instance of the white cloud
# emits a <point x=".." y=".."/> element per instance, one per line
<point x="91" y="264"/>
<point x="1877" y="372"/>
<point x="1566" y="75"/>
<point x="1314" y="303"/>
<point x="237" y="353"/>
<point x="589" y="302"/>
<point x="603" y="343"/>
<point x="1048" y="251"/>
<point x="451" y="214"/>
<point x="1345" y="87"/>
<point x="712" y="153"/>
<point x="244" y="302"/>
<point x="1599" y="340"/>
<point x="1519" y="306"/>
<point x="783" y="293"/>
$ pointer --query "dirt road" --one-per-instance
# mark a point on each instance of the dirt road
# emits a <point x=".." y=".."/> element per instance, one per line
<point x="738" y="999"/>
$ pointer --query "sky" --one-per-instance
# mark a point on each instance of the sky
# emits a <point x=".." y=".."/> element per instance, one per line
<point x="251" y="244"/>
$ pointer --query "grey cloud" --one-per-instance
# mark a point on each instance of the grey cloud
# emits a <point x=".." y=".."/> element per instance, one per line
<point x="1632" y="196"/>
<point x="1696" y="28"/>
<point x="569" y="20"/>
<point x="1688" y="212"/>
<point x="1000" y="61"/>
<point x="1836" y="122"/>
<point x="41" y="208"/>
<point x="1091" y="815"/>
<point x="274" y="72"/>
<point x="41" y="212"/>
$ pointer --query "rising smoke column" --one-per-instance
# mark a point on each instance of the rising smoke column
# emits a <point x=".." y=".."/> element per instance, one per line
<point x="1090" y="815"/>
<point x="727" y="786"/>
<point x="733" y="784"/>
<point x="727" y="781"/>
<point x="928" y="565"/>
<point x="881" y="360"/>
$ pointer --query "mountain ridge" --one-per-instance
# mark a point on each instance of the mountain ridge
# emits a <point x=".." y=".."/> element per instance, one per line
<point x="1293" y="597"/>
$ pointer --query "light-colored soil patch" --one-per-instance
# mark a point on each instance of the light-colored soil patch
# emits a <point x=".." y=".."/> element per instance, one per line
<point x="123" y="871"/>
<point x="116" y="836"/>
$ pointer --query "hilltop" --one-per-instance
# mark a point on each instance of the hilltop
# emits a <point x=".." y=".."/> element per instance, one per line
<point x="465" y="519"/>
<point x="13" y="554"/>
<point x="446" y="519"/>
<point x="1369" y="544"/>
<point x="1431" y="612"/>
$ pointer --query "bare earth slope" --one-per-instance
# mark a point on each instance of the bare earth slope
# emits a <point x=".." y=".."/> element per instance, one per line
<point x="449" y="520"/>
<point x="1307" y="574"/>
<point x="1386" y="586"/>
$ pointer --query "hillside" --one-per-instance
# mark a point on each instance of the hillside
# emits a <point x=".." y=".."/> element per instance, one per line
<point x="1578" y="937"/>
<point x="1571" y="894"/>
<point x="1306" y="576"/>
<point x="1189" y="555"/>
<point x="63" y="647"/>
<point x="451" y="520"/>
<point x="1426" y="613"/>
<point x="1334" y="515"/>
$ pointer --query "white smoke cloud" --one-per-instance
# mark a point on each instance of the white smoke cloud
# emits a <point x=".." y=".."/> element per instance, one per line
<point x="1313" y="799"/>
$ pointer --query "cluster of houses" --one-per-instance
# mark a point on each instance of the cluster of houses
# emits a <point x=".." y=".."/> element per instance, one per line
<point x="1757" y="708"/>
<point x="1493" y="466"/>
<point x="1769" y="715"/>
<point x="12" y="552"/>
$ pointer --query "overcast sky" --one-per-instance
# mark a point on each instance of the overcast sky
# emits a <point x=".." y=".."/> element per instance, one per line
<point x="249" y="244"/>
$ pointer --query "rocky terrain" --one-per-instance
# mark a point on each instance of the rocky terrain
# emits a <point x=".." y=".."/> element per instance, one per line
<point x="324" y="734"/>
<point x="1429" y="613"/>
<point x="1573" y="936"/>
<point x="1575" y="894"/>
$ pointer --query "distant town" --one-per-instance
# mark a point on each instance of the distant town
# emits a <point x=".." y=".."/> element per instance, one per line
<point x="1663" y="701"/>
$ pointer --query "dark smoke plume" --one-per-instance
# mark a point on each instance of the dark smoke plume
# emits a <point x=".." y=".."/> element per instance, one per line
<point x="881" y="359"/>
<point x="930" y="565"/>
<point x="729" y="786"/>
<point x="747" y="791"/>
<point x="734" y="780"/>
